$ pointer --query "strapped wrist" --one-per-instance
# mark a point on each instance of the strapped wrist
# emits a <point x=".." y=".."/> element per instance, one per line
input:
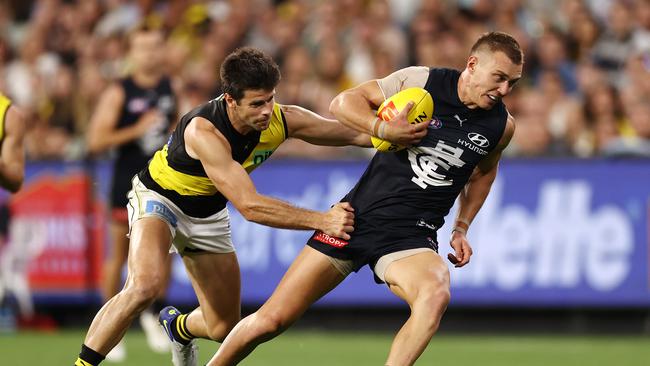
<point x="464" y="221"/>
<point x="459" y="229"/>
<point x="381" y="131"/>
<point x="374" y="125"/>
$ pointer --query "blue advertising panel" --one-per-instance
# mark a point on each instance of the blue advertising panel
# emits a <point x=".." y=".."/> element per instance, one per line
<point x="551" y="233"/>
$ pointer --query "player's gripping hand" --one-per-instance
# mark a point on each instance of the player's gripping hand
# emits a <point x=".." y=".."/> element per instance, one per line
<point x="462" y="249"/>
<point x="399" y="131"/>
<point x="339" y="221"/>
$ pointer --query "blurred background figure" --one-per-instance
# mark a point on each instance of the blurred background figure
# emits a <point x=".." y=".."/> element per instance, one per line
<point x="14" y="255"/>
<point x="134" y="117"/>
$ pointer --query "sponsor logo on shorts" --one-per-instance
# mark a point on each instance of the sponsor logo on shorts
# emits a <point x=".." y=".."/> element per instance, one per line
<point x="423" y="223"/>
<point x="330" y="240"/>
<point x="158" y="208"/>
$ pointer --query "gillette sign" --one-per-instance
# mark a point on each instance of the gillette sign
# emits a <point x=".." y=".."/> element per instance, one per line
<point x="559" y="234"/>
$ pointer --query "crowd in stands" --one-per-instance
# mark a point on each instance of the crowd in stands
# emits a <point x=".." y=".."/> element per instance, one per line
<point x="586" y="90"/>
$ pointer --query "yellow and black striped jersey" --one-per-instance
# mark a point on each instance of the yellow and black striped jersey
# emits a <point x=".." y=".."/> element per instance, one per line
<point x="175" y="175"/>
<point x="4" y="107"/>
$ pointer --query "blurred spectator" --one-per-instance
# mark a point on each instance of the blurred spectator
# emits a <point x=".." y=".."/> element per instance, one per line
<point x="551" y="53"/>
<point x="584" y="32"/>
<point x="532" y="137"/>
<point x="46" y="46"/>
<point x="616" y="45"/>
<point x="641" y="35"/>
<point x="560" y="109"/>
<point x="638" y="143"/>
<point x="603" y="119"/>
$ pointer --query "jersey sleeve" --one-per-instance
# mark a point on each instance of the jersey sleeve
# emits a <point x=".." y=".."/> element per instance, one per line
<point x="409" y="77"/>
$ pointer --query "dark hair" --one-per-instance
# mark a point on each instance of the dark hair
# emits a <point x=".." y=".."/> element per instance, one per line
<point x="502" y="42"/>
<point x="144" y="27"/>
<point x="248" y="68"/>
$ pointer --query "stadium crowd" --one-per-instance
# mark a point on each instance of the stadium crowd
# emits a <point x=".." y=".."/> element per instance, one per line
<point x="586" y="90"/>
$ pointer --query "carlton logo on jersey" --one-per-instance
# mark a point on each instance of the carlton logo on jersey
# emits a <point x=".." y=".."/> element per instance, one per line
<point x="431" y="164"/>
<point x="138" y="105"/>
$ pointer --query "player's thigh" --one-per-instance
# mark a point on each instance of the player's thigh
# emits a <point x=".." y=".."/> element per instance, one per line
<point x="408" y="277"/>
<point x="150" y="240"/>
<point x="216" y="280"/>
<point x="310" y="277"/>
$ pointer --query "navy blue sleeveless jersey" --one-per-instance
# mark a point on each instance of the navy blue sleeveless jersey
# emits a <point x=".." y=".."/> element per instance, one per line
<point x="401" y="199"/>
<point x="132" y="156"/>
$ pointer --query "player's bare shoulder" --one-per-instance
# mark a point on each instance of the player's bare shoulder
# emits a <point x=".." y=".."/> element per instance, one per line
<point x="200" y="131"/>
<point x="408" y="77"/>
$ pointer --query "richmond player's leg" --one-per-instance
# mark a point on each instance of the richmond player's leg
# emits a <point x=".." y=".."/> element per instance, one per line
<point x="216" y="280"/>
<point x="148" y="252"/>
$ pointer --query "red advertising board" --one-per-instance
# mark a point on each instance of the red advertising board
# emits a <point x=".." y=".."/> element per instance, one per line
<point x="58" y="230"/>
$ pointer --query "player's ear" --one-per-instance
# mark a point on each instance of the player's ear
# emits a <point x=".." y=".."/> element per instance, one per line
<point x="472" y="61"/>
<point x="230" y="101"/>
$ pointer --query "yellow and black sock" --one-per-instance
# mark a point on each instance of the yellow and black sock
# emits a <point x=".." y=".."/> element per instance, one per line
<point x="88" y="357"/>
<point x="180" y="331"/>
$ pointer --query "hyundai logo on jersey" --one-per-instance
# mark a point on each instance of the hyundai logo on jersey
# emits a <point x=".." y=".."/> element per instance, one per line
<point x="478" y="139"/>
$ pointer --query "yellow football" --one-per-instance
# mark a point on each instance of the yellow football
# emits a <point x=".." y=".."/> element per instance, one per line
<point x="421" y="111"/>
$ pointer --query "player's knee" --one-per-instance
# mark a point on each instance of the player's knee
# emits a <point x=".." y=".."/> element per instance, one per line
<point x="434" y="296"/>
<point x="142" y="293"/>
<point x="271" y="324"/>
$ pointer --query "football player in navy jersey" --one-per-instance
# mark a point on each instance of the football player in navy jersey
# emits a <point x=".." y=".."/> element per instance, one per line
<point x="402" y="198"/>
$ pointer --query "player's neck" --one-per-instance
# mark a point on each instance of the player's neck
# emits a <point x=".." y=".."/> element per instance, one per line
<point x="463" y="90"/>
<point x="146" y="79"/>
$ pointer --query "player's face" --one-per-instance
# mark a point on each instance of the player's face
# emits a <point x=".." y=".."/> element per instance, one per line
<point x="492" y="76"/>
<point x="146" y="51"/>
<point x="255" y="108"/>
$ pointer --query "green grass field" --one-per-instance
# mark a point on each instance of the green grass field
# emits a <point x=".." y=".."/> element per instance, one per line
<point x="314" y="348"/>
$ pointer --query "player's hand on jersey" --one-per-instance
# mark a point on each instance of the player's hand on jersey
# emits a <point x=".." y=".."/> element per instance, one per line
<point x="339" y="221"/>
<point x="462" y="249"/>
<point x="399" y="131"/>
<point x="147" y="120"/>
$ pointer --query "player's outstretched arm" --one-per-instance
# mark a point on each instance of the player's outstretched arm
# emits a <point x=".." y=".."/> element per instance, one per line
<point x="318" y="130"/>
<point x="204" y="142"/>
<point x="473" y="195"/>
<point x="12" y="155"/>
